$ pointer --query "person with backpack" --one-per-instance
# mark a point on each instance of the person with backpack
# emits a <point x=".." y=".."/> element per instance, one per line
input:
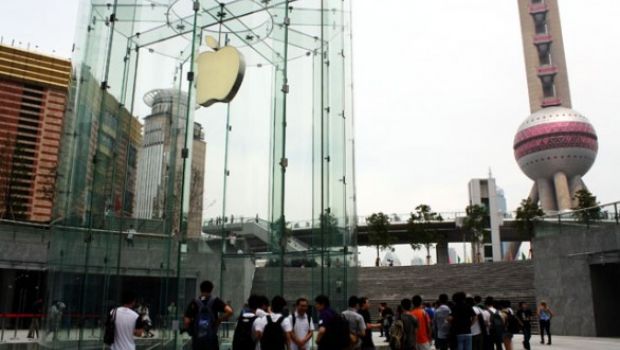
<point x="333" y="333"/>
<point x="302" y="326"/>
<point x="203" y="317"/>
<point x="126" y="323"/>
<point x="441" y="324"/>
<point x="511" y="323"/>
<point x="357" y="326"/>
<point x="497" y="325"/>
<point x="243" y="338"/>
<point x="403" y="331"/>
<point x="477" y="326"/>
<point x="424" y="334"/>
<point x="485" y="320"/>
<point x="272" y="330"/>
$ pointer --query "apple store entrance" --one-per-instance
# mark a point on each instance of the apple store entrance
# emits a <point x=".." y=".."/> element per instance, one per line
<point x="203" y="140"/>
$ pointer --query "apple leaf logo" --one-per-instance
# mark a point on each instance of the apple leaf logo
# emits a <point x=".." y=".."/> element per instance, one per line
<point x="220" y="73"/>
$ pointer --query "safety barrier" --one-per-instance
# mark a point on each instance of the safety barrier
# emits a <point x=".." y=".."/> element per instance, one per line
<point x="45" y="325"/>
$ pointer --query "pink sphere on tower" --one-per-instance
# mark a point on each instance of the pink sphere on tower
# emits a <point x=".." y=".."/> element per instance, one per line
<point x="555" y="147"/>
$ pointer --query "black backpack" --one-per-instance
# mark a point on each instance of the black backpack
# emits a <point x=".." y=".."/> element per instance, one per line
<point x="512" y="324"/>
<point x="273" y="335"/>
<point x="337" y="334"/>
<point x="242" y="340"/>
<point x="498" y="327"/>
<point x="110" y="326"/>
<point x="205" y="325"/>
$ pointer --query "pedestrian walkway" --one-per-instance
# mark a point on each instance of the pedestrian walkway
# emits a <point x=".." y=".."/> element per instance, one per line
<point x="559" y="343"/>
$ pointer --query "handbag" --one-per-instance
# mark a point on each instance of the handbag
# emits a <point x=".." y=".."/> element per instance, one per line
<point x="110" y="325"/>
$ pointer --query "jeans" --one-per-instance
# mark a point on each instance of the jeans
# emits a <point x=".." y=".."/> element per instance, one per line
<point x="527" y="334"/>
<point x="545" y="326"/>
<point x="463" y="341"/>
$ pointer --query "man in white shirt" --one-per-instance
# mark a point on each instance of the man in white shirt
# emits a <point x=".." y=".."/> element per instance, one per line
<point x="476" y="330"/>
<point x="277" y="306"/>
<point x="126" y="324"/>
<point x="301" y="325"/>
<point x="130" y="233"/>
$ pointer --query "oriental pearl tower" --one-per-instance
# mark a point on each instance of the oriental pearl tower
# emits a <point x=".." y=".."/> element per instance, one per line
<point x="555" y="146"/>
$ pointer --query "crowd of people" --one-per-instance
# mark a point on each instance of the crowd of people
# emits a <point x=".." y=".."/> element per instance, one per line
<point x="461" y="322"/>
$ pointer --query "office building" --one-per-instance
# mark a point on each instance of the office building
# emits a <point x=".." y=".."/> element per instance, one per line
<point x="33" y="97"/>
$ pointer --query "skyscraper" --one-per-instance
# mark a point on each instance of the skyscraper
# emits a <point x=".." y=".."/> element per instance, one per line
<point x="97" y="167"/>
<point x="555" y="146"/>
<point x="33" y="97"/>
<point x="164" y="138"/>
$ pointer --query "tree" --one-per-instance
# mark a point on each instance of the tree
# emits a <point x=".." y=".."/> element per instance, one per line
<point x="526" y="212"/>
<point x="379" y="232"/>
<point x="587" y="209"/>
<point x="420" y="226"/>
<point x="474" y="222"/>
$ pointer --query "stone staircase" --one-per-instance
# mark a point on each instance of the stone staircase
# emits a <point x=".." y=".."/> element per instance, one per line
<point x="504" y="280"/>
<point x="512" y="281"/>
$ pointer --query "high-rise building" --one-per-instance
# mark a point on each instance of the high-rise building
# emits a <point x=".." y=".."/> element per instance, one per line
<point x="555" y="146"/>
<point x="33" y="97"/>
<point x="97" y="171"/>
<point x="164" y="138"/>
<point x="483" y="192"/>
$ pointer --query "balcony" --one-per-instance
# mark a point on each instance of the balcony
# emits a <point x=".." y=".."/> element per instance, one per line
<point x="547" y="70"/>
<point x="538" y="12"/>
<point x="540" y="39"/>
<point x="537" y="8"/>
<point x="551" y="101"/>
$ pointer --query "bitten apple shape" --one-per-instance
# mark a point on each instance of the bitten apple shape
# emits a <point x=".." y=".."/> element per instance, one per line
<point x="220" y="73"/>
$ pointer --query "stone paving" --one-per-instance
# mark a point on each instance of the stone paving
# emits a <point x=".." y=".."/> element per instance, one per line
<point x="559" y="343"/>
<point x="20" y="342"/>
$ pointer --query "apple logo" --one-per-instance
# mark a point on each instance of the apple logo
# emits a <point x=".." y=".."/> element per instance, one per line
<point x="220" y="73"/>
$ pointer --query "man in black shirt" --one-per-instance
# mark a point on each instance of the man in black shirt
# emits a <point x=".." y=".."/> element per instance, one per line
<point x="387" y="318"/>
<point x="219" y="312"/>
<point x="524" y="315"/>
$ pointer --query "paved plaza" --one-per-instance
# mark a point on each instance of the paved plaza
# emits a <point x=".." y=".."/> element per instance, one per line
<point x="559" y="343"/>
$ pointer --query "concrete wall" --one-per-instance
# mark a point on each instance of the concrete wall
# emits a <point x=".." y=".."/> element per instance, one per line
<point x="562" y="272"/>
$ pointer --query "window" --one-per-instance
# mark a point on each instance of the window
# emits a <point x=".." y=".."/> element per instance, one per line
<point x="541" y="28"/>
<point x="548" y="90"/>
<point x="545" y="59"/>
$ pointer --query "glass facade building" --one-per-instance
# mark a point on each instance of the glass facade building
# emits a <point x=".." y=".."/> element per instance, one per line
<point x="279" y="197"/>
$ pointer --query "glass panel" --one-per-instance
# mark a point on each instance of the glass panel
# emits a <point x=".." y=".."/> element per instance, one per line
<point x="275" y="186"/>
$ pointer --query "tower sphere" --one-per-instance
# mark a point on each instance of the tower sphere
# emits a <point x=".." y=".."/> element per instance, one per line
<point x="555" y="139"/>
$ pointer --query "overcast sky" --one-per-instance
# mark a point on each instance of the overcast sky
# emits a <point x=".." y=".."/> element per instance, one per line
<point x="439" y="91"/>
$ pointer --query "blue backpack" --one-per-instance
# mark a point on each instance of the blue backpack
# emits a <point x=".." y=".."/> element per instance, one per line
<point x="205" y="326"/>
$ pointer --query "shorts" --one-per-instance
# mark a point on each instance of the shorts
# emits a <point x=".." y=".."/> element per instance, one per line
<point x="425" y="346"/>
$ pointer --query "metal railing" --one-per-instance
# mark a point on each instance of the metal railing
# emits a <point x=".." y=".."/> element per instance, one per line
<point x="597" y="218"/>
